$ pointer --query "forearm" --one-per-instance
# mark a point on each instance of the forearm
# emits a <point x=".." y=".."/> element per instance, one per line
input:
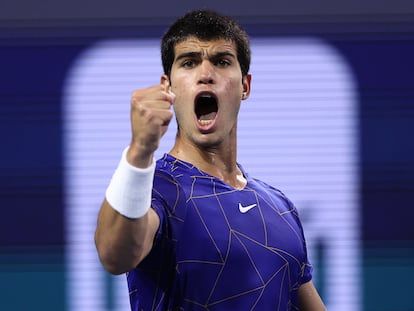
<point x="123" y="242"/>
<point x="126" y="224"/>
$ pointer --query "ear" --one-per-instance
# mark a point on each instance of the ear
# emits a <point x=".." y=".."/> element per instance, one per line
<point x="165" y="81"/>
<point x="247" y="79"/>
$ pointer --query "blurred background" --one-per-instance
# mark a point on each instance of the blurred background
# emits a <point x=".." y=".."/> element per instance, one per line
<point x="330" y="122"/>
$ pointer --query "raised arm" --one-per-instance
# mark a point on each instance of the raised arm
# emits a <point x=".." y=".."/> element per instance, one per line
<point x="126" y="224"/>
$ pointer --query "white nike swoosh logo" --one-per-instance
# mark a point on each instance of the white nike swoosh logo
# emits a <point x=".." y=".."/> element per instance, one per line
<point x="245" y="209"/>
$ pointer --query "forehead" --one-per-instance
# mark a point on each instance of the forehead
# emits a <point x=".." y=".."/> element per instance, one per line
<point x="193" y="44"/>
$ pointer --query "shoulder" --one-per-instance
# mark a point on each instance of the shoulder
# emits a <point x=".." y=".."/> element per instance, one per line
<point x="264" y="186"/>
<point x="170" y="182"/>
<point x="170" y="171"/>
<point x="273" y="194"/>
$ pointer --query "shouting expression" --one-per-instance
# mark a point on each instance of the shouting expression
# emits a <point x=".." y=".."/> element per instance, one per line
<point x="207" y="81"/>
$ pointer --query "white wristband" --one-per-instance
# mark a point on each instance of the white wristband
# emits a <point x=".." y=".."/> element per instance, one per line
<point x="130" y="189"/>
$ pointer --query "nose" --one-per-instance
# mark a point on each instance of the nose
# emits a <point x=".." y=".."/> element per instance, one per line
<point x="206" y="72"/>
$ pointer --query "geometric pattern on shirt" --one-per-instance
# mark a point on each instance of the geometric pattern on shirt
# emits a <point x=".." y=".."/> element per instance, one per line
<point x="231" y="260"/>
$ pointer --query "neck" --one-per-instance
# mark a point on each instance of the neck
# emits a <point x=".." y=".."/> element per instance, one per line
<point x="216" y="162"/>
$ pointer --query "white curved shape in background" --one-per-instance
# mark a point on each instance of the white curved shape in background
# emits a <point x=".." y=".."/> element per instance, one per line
<point x="298" y="131"/>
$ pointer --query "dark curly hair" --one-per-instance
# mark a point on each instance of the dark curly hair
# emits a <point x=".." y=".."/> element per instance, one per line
<point x="205" y="25"/>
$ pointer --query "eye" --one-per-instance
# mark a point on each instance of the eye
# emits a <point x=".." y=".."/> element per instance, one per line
<point x="188" y="63"/>
<point x="223" y="62"/>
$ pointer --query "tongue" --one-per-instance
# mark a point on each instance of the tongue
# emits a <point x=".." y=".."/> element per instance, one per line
<point x="208" y="116"/>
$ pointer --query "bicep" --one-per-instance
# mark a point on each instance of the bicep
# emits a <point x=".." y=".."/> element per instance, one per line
<point x="309" y="299"/>
<point x="153" y="226"/>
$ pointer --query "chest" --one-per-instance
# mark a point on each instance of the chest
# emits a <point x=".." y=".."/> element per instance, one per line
<point x="223" y="224"/>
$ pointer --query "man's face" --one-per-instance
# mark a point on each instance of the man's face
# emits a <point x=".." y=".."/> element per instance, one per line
<point x="207" y="81"/>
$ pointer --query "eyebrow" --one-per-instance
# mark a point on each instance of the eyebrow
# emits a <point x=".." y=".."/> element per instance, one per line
<point x="198" y="54"/>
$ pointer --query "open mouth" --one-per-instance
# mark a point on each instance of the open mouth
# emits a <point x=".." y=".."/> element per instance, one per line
<point x="206" y="108"/>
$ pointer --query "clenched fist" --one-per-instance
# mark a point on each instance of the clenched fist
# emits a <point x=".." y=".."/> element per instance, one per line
<point x="150" y="115"/>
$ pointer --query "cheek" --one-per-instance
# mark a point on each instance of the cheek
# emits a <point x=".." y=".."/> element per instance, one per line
<point x="182" y="110"/>
<point x="234" y="85"/>
<point x="182" y="89"/>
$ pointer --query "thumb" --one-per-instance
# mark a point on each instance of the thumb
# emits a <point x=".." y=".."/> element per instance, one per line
<point x="165" y="83"/>
<point x="172" y="97"/>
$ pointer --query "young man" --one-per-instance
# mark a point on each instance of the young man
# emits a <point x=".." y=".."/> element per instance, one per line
<point x="193" y="231"/>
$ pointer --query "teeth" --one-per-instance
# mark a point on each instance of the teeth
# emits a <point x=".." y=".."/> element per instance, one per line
<point x="204" y="122"/>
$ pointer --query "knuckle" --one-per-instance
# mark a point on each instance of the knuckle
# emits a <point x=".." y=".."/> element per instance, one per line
<point x="137" y="95"/>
